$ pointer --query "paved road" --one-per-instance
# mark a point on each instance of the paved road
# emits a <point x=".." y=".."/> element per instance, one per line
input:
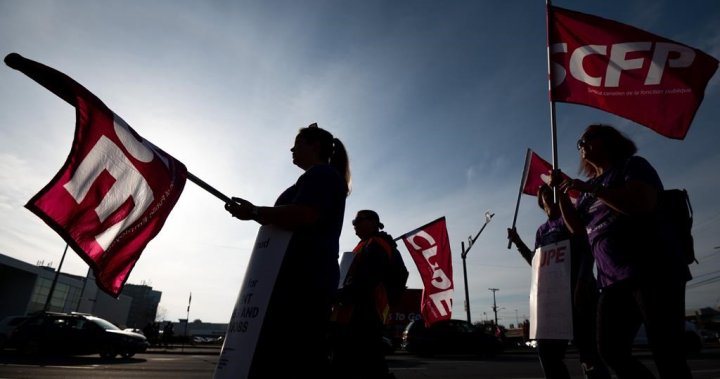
<point x="200" y="363"/>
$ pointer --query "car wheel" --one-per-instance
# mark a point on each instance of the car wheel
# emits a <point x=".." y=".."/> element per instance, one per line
<point x="127" y="354"/>
<point x="107" y="351"/>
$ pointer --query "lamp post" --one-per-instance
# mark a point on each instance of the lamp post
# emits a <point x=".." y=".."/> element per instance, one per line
<point x="495" y="308"/>
<point x="471" y="241"/>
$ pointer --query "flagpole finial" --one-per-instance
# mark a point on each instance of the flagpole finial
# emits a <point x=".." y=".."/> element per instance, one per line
<point x="13" y="60"/>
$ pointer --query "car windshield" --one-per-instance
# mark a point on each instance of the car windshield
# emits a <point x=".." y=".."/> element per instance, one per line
<point x="107" y="325"/>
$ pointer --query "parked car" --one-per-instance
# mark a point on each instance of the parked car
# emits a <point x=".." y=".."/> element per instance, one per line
<point x="74" y="334"/>
<point x="7" y="325"/>
<point x="692" y="341"/>
<point x="449" y="337"/>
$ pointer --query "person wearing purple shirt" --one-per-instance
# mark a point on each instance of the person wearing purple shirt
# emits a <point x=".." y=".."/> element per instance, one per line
<point x="584" y="294"/>
<point x="298" y="313"/>
<point x="641" y="272"/>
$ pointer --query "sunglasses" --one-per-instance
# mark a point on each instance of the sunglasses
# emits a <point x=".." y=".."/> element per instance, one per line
<point x="582" y="142"/>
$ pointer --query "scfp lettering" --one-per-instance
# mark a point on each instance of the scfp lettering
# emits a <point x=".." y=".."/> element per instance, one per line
<point x="664" y="54"/>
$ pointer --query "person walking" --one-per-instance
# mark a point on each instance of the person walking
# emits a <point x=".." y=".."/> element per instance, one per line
<point x="584" y="294"/>
<point x="296" y="323"/>
<point x="640" y="267"/>
<point x="362" y="307"/>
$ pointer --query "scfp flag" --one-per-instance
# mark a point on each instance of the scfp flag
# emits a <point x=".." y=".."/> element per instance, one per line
<point x="115" y="190"/>
<point x="654" y="81"/>
<point x="429" y="247"/>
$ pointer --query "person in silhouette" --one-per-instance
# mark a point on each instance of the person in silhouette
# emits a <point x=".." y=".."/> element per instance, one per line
<point x="296" y="321"/>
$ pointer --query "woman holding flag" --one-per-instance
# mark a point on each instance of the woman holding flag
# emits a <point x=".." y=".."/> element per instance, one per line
<point x="583" y="289"/>
<point x="641" y="271"/>
<point x="313" y="208"/>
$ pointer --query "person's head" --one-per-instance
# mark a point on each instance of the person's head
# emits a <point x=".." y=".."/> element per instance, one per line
<point x="601" y="146"/>
<point x="314" y="145"/>
<point x="546" y="201"/>
<point x="367" y="223"/>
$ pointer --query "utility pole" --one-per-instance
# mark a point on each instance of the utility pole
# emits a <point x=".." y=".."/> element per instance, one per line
<point x="494" y="304"/>
<point x="471" y="241"/>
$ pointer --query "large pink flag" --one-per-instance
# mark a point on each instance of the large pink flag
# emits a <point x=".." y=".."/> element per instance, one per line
<point x="429" y="247"/>
<point x="654" y="81"/>
<point x="115" y="190"/>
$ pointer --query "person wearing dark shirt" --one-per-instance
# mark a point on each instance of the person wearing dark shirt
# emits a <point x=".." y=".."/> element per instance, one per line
<point x="584" y="294"/>
<point x="296" y="322"/>
<point x="362" y="305"/>
<point x="640" y="268"/>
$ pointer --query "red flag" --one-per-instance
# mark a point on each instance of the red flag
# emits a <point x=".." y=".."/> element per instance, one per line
<point x="654" y="81"/>
<point x="538" y="172"/>
<point x="430" y="249"/>
<point x="115" y="190"/>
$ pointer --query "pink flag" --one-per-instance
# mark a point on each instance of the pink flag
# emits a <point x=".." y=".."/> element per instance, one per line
<point x="115" y="190"/>
<point x="430" y="249"/>
<point x="654" y="81"/>
<point x="538" y="172"/>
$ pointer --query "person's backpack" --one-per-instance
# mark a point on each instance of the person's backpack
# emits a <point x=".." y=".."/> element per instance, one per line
<point x="396" y="274"/>
<point x="676" y="209"/>
<point x="396" y="279"/>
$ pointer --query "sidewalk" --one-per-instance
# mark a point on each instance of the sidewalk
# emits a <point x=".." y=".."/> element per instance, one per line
<point x="185" y="349"/>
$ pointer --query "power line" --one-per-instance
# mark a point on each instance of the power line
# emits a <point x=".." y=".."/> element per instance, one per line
<point x="704" y="282"/>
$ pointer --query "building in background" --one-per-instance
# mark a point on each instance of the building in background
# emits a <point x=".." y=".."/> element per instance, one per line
<point x="24" y="289"/>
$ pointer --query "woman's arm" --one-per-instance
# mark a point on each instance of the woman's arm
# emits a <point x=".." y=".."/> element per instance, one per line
<point x="633" y="197"/>
<point x="284" y="216"/>
<point x="521" y="246"/>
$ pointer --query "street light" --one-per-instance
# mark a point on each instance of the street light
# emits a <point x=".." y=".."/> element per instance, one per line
<point x="471" y="241"/>
<point x="495" y="308"/>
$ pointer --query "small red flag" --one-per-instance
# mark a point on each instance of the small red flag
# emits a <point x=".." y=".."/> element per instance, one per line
<point x="651" y="80"/>
<point x="538" y="172"/>
<point x="429" y="247"/>
<point x="115" y="190"/>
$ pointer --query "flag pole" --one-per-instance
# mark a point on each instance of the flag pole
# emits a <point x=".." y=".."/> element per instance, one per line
<point x="553" y="122"/>
<point x="420" y="228"/>
<point x="187" y="322"/>
<point x="52" y="287"/>
<point x="208" y="188"/>
<point x="520" y="192"/>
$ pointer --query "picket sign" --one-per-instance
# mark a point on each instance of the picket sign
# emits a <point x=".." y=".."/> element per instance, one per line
<point x="246" y="321"/>
<point x="550" y="294"/>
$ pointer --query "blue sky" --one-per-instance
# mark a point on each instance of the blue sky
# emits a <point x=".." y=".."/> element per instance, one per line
<point x="436" y="102"/>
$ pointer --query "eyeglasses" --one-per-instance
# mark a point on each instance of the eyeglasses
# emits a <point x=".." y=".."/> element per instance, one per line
<point x="582" y="142"/>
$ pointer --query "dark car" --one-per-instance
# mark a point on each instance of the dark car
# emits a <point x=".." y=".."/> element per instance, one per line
<point x="449" y="337"/>
<point x="74" y="334"/>
<point x="7" y="325"/>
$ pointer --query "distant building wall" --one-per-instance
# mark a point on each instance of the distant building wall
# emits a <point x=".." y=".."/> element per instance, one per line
<point x="24" y="288"/>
